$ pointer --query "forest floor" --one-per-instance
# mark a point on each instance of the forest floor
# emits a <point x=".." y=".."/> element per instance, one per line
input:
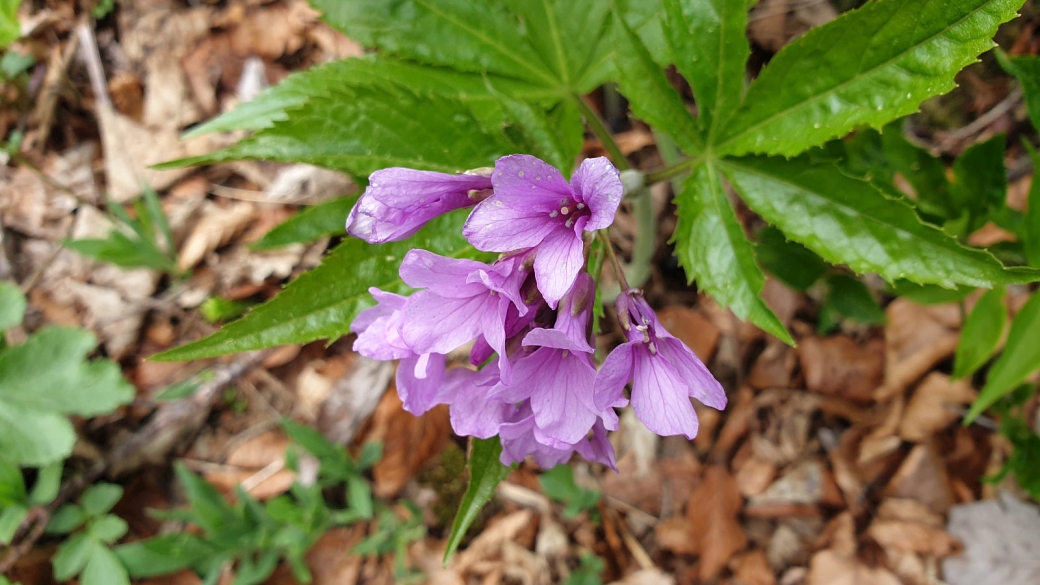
<point x="837" y="461"/>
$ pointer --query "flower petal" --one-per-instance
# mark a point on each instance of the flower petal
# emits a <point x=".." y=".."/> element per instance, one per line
<point x="609" y="387"/>
<point x="445" y="276"/>
<point x="701" y="384"/>
<point x="598" y="184"/>
<point x="473" y="414"/>
<point x="557" y="264"/>
<point x="660" y="398"/>
<point x="409" y="189"/>
<point x="436" y="324"/>
<point x="420" y="394"/>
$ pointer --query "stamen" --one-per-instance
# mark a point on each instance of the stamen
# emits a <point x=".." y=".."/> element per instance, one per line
<point x="565" y="210"/>
<point x="653" y="348"/>
<point x="570" y="222"/>
<point x="581" y="206"/>
<point x="554" y="213"/>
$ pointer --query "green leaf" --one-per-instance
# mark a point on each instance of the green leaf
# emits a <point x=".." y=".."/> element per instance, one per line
<point x="925" y="173"/>
<point x="12" y="306"/>
<point x="46" y="378"/>
<point x="1031" y="239"/>
<point x="867" y="67"/>
<point x="209" y="509"/>
<point x="710" y="48"/>
<point x="123" y="251"/>
<point x="848" y="221"/>
<point x="10" y="29"/>
<point x="1020" y="359"/>
<point x="219" y="309"/>
<point x="981" y="333"/>
<point x="981" y="182"/>
<point x="163" y="554"/>
<point x="359" y="496"/>
<point x="72" y="556"/>
<point x="108" y="528"/>
<point x="48" y="482"/>
<point x="321" y="304"/>
<point x="650" y="95"/>
<point x="67" y="519"/>
<point x="11" y="518"/>
<point x="929" y="294"/>
<point x="103" y="568"/>
<point x="100" y="497"/>
<point x="848" y="297"/>
<point x="791" y="262"/>
<point x="485" y="473"/>
<point x="328" y="218"/>
<point x="363" y="129"/>
<point x="558" y="484"/>
<point x="1026" y="69"/>
<point x="714" y="250"/>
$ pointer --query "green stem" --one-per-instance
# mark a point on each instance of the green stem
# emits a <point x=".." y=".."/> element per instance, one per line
<point x="608" y="246"/>
<point x="671" y="170"/>
<point x="645" y="242"/>
<point x="599" y="128"/>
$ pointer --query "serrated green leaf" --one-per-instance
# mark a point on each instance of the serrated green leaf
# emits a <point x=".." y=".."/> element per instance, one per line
<point x="848" y="221"/>
<point x="867" y="67"/>
<point x="650" y="95"/>
<point x="103" y="568"/>
<point x="328" y="218"/>
<point x="1019" y="360"/>
<point x="714" y="250"/>
<point x="45" y="378"/>
<point x="542" y="134"/>
<point x="791" y="262"/>
<point x="108" y="529"/>
<point x="72" y="556"/>
<point x="321" y="304"/>
<point x="12" y="306"/>
<point x="981" y="333"/>
<point x="360" y="130"/>
<point x="710" y="48"/>
<point x="209" y="509"/>
<point x="100" y="497"/>
<point x="163" y="554"/>
<point x="12" y="485"/>
<point x="485" y="473"/>
<point x="848" y="297"/>
<point x="10" y="29"/>
<point x="925" y="173"/>
<point x="1026" y="69"/>
<point x="929" y="294"/>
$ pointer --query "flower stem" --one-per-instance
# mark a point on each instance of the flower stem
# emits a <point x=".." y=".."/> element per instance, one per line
<point x="669" y="171"/>
<point x="608" y="246"/>
<point x="599" y="128"/>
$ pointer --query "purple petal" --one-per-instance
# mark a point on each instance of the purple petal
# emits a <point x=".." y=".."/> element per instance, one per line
<point x="473" y="414"/>
<point x="529" y="182"/>
<point x="700" y="383"/>
<point x="557" y="264"/>
<point x="598" y="448"/>
<point x="598" y="184"/>
<point x="410" y="189"/>
<point x="556" y="339"/>
<point x="660" y="397"/>
<point x="492" y="324"/>
<point x="561" y="398"/>
<point x="494" y="226"/>
<point x="386" y="304"/>
<point x="435" y="324"/>
<point x="447" y="277"/>
<point x="420" y="394"/>
<point x="609" y="387"/>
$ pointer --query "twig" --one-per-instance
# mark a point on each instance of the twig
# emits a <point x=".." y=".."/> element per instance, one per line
<point x="981" y="122"/>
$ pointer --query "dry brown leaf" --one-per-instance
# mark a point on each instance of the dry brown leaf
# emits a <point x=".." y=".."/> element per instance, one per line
<point x="773" y="368"/>
<point x="916" y="339"/>
<point x="923" y="477"/>
<point x="489" y="543"/>
<point x="409" y="441"/>
<point x="802" y="483"/>
<point x="646" y="577"/>
<point x="752" y="568"/>
<point x="781" y="421"/>
<point x="838" y="366"/>
<point x="830" y="568"/>
<point x="713" y="509"/>
<point x="930" y="409"/>
<point x="755" y="475"/>
<point x="913" y="537"/>
<point x="216" y="228"/>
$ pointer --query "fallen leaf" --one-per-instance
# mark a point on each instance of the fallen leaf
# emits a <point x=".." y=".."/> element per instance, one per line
<point x="215" y="228"/>
<point x="830" y="568"/>
<point x="931" y="407"/>
<point x="913" y="537"/>
<point x="697" y="332"/>
<point x="409" y="441"/>
<point x="1000" y="543"/>
<point x="752" y="568"/>
<point x="712" y="510"/>
<point x="838" y="366"/>
<point x="916" y="339"/>
<point x="923" y="477"/>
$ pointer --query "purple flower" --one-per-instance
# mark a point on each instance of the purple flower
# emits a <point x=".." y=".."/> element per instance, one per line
<point x="398" y="202"/>
<point x="664" y="373"/>
<point x="377" y="328"/>
<point x="533" y="206"/>
<point x="463" y="299"/>
<point x="557" y="377"/>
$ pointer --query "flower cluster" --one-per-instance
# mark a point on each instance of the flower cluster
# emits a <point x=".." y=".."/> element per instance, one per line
<point x="527" y="315"/>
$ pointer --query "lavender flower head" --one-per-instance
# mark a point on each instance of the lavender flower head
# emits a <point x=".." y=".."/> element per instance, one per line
<point x="525" y="319"/>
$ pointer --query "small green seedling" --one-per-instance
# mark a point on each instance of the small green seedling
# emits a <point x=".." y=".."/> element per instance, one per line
<point x="558" y="484"/>
<point x="88" y="552"/>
